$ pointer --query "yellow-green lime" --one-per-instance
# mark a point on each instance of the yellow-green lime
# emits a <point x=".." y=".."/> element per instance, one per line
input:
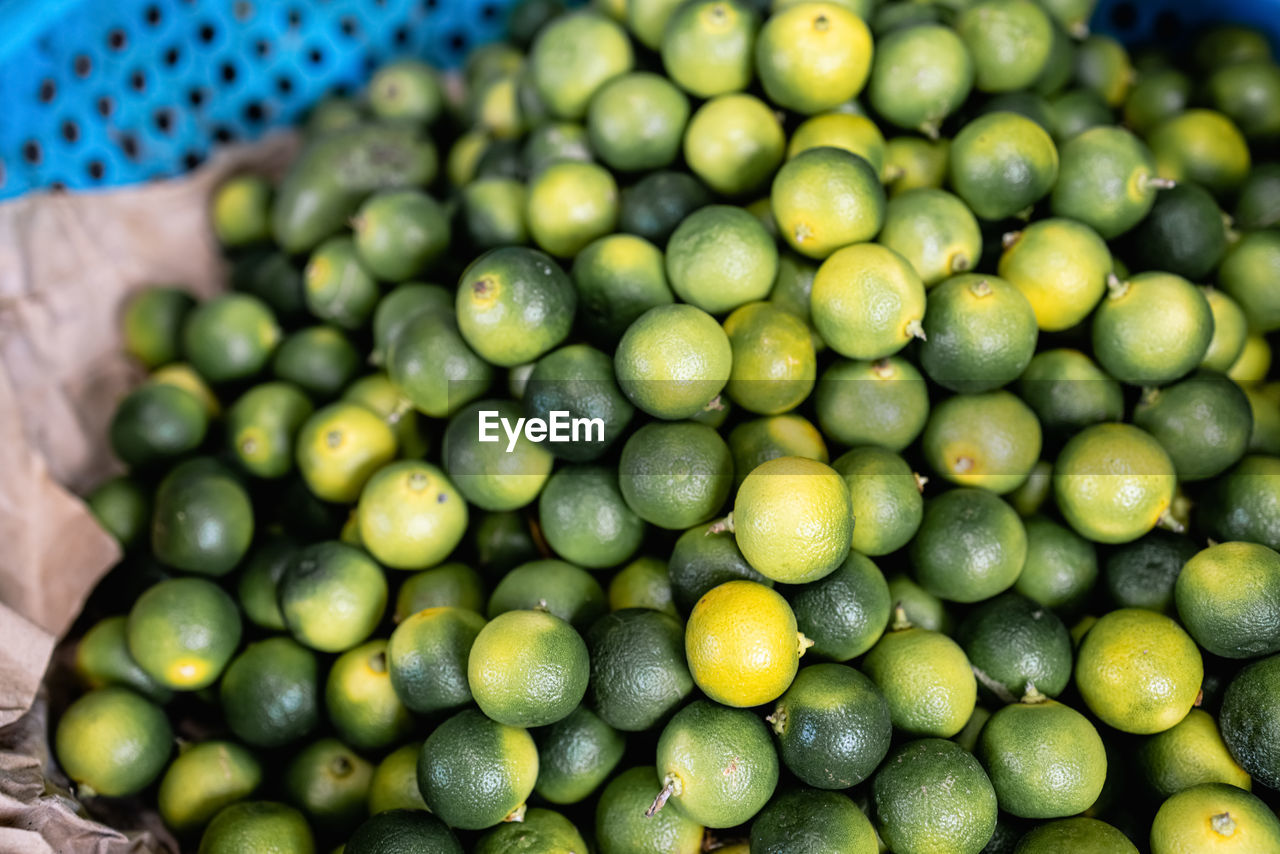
<point x="922" y="74"/>
<point x="475" y="772"/>
<point x="623" y="828"/>
<point x="1230" y="328"/>
<point x="826" y="197"/>
<point x="554" y="586"/>
<point x="979" y="333"/>
<point x="1113" y="482"/>
<point x="636" y="121"/>
<point x="1003" y="163"/>
<point x="183" y="631"/>
<point x="934" y="231"/>
<point x="339" y="447"/>
<point x="229" y="337"/>
<point x="1215" y="817"/>
<point x="362" y="703"/>
<point x="867" y="301"/>
<point x="763" y="439"/>
<point x="855" y="134"/>
<point x="931" y="796"/>
<point x="734" y="143"/>
<point x="152" y="324"/>
<point x="1079" y="835"/>
<point x="885" y="496"/>
<point x="515" y="303"/>
<point x="813" y="56"/>
<point x="806" y="821"/>
<point x="329" y="782"/>
<point x="673" y="360"/>
<point x="204" y="778"/>
<point x="449" y="584"/>
<point x="262" y="425"/>
<point x="1190" y="753"/>
<point x="991" y="440"/>
<point x="570" y="204"/>
<point x="882" y="402"/>
<point x="258" y="826"/>
<point x="1061" y="566"/>
<point x="707" y="46"/>
<point x="774" y="365"/>
<point x="112" y="742"/>
<point x="1010" y="41"/>
<point x="1151" y="329"/>
<point x="527" y="668"/>
<point x="1228" y="597"/>
<point x="395" y="781"/>
<point x="539" y="830"/>
<point x="573" y="56"/>
<point x="1202" y="146"/>
<point x="1061" y="267"/>
<point x="410" y="515"/>
<point x="643" y="583"/>
<point x="925" y="678"/>
<point x="719" y="258"/>
<point x="332" y="596"/>
<point x="427" y="658"/>
<point x="102" y="658"/>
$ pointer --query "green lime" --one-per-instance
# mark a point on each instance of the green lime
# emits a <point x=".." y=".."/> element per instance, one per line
<point x="262" y="425"/>
<point x="569" y="205"/>
<point x="274" y="278"/>
<point x="931" y="795"/>
<point x="911" y="163"/>
<point x="203" y="521"/>
<point x="270" y="693"/>
<point x="934" y="231"/>
<point x="539" y="830"/>
<point x="1228" y="597"/>
<point x="1157" y="95"/>
<point x="707" y="46"/>
<point x="1230" y="327"/>
<point x="734" y="143"/>
<point x="527" y="668"/>
<point x="717" y="766"/>
<point x="1250" y="724"/>
<point x="491" y="470"/>
<point x="885" y="402"/>
<point x="1202" y="421"/>
<point x="673" y="360"/>
<point x="824" y="198"/>
<point x="622" y="827"/>
<point x="156" y="423"/>
<point x="792" y="519"/>
<point x="855" y="134"/>
<point x="1010" y="41"/>
<point x="575" y="756"/>
<point x="1102" y="65"/>
<point x="240" y="211"/>
<point x="643" y="583"/>
<point x="395" y="781"/>
<point x="1141" y="574"/>
<point x="411" y="516"/>
<point x="258" y="826"/>
<point x="561" y="589"/>
<point x="1185" y="233"/>
<point x="971" y="545"/>
<point x="493" y="212"/>
<point x="514" y="304"/>
<point x="619" y="278"/>
<point x="495" y="105"/>
<point x="577" y="382"/>
<point x="1003" y="163"/>
<point x="406" y="89"/>
<point x="832" y="726"/>
<point x="203" y="779"/>
<point x="330" y="784"/>
<point x="921" y="608"/>
<point x="401" y="305"/>
<point x="400" y="233"/>
<point x="260" y="579"/>
<point x="1113" y="482"/>
<point x="1246" y="269"/>
<point x="636" y="122"/>
<point x="922" y="74"/>
<point x="1045" y="759"/>
<point x="979" y="333"/>
<point x="102" y="658"/>
<point x="475" y="772"/>
<point x="1107" y="180"/>
<point x="183" y="631"/>
<point x="230" y="337"/>
<point x="1061" y="267"/>
<point x="123" y="508"/>
<point x="573" y="56"/>
<point x="1031" y="496"/>
<point x="1202" y="146"/>
<point x="925" y="678"/>
<point x="885" y="495"/>
<point x="362" y="704"/>
<point x="1190" y="753"/>
<point x="427" y="658"/>
<point x="1151" y="329"/>
<point x="867" y="301"/>
<point x="719" y="258"/>
<point x="332" y="596"/>
<point x="1215" y="817"/>
<point x="448" y="585"/>
<point x="813" y="56"/>
<point x="1061" y="567"/>
<point x="152" y="324"/>
<point x="1068" y="391"/>
<point x="702" y="558"/>
<point x="339" y="447"/>
<point x="1138" y="671"/>
<point x="763" y="439"/>
<point x="112" y="742"/>
<point x="1026" y="104"/>
<point x="1075" y="112"/>
<point x="774" y="364"/>
<point x="638" y="670"/>
<point x="403" y="831"/>
<point x="804" y="821"/>
<point x="320" y="359"/>
<point x="991" y="440"/>
<point x="1078" y="835"/>
<point x="432" y="365"/>
<point x="1256" y="205"/>
<point x="1015" y="645"/>
<point x="585" y="518"/>
<point x="675" y="475"/>
<point x="1244" y="503"/>
<point x="339" y="289"/>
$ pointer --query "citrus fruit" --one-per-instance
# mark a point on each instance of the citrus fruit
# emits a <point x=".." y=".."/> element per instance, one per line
<point x="427" y="658"/>
<point x="1230" y="327"/>
<point x="675" y="475"/>
<point x="493" y="212"/>
<point x="1215" y="817"/>
<point x="395" y="781"/>
<point x="803" y="821"/>
<point x="934" y="231"/>
<point x="559" y="588"/>
<point x="931" y="796"/>
<point x="569" y="205"/>
<point x="577" y="380"/>
<point x="991" y="440"/>
<point x="1203" y="422"/>
<point x="1157" y="94"/>
<point x="527" y="668"/>
<point x="920" y="607"/>
<point x="673" y="360"/>
<point x="203" y="779"/>
<point x="971" y="545"/>
<point x="636" y="121"/>
<point x="475" y="772"/>
<point x="979" y="333"/>
<point x="400" y="233"/>
<point x="707" y="46"/>
<point x="1203" y="146"/>
<point x="1245" y="271"/>
<point x="925" y="678"/>
<point x="410" y="515"/>
<point x="717" y="766"/>
<point x="258" y="826"/>
<point x="338" y="288"/>
<point x="774" y="365"/>
<point x="702" y="558"/>
<point x="1069" y="391"/>
<point x="585" y="517"/>
<point x="1083" y="835"/>
<point x="1138" y="671"/>
<point x="1190" y="753"/>
<point x="539" y="830"/>
<point x="867" y="301"/>
<point x="1255" y="205"/>
<point x="719" y="258"/>
<point x="619" y="277"/>
<point x="406" y="89"/>
<point x="1061" y="566"/>
<point x="112" y="742"/>
<point x="1074" y="112"/>
<point x="652" y="207"/>
<point x="362" y="704"/>
<point x="1009" y="40"/>
<point x="623" y="828"/>
<point x="575" y="756"/>
<point x="912" y="163"/>
<point x="1228" y="597"/>
<point x="883" y="402"/>
<point x="1185" y="233"/>
<point x="643" y="583"/>
<point x="1141" y="574"/>
<point x="792" y="519"/>
<point x="320" y="360"/>
<point x="203" y="519"/>
<point x="490" y="468"/>
<point x="155" y="423"/>
<point x="402" y="831"/>
<point x="183" y="631"/>
<point x="573" y="56"/>
<point x="514" y="304"/>
<point x="813" y="56"/>
<point x="921" y="75"/>
<point x="102" y="658"/>
<point x="229" y="337"/>
<point x="1060" y="266"/>
<point x="123" y="508"/>
<point x="450" y="584"/>
<point x="1102" y="65"/>
<point x="262" y="425"/>
<point x="1113" y="482"/>
<point x="855" y="134"/>
<point x="270" y="693"/>
<point x="885" y="495"/>
<point x="742" y="644"/>
<point x="1244" y="504"/>
<point x="1016" y="644"/>
<point x="332" y="596"/>
<point x="734" y="143"/>
<point x="239" y="211"/>
<point x="1249" y="720"/>
<point x="152" y="324"/>
<point x="846" y="612"/>
<point x="339" y="447"/>
<point x="1002" y="163"/>
<point x="832" y="726"/>
<point x="329" y="783"/>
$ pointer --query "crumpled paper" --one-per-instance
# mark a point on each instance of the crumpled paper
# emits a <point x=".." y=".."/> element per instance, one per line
<point x="67" y="264"/>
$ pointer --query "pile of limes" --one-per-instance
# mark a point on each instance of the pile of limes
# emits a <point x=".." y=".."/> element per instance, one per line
<point x="816" y="429"/>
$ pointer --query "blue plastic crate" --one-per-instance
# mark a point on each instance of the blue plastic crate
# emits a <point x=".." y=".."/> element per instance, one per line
<point x="106" y="92"/>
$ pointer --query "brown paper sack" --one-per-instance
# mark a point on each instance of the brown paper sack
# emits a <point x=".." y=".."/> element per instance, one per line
<point x="67" y="263"/>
